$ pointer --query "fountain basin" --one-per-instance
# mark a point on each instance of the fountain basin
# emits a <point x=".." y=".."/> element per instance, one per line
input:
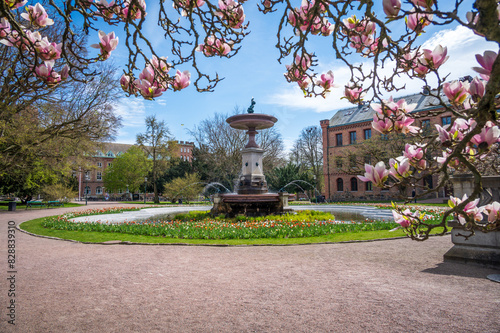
<point x="231" y="204"/>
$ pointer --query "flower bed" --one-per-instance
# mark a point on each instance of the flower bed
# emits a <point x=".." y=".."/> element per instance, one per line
<point x="305" y="224"/>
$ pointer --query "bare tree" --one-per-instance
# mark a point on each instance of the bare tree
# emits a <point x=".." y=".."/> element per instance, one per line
<point x="158" y="145"/>
<point x="307" y="152"/>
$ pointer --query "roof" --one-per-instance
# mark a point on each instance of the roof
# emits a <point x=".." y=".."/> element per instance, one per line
<point x="362" y="113"/>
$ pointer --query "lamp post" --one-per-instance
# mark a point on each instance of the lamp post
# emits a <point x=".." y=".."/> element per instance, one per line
<point x="86" y="187"/>
<point x="128" y="195"/>
<point x="145" y="182"/>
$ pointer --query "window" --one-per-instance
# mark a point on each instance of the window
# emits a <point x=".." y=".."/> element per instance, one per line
<point x="352" y="161"/>
<point x="368" y="159"/>
<point x="445" y="120"/>
<point x="87" y="190"/>
<point x="340" y="184"/>
<point x="99" y="164"/>
<point x="98" y="190"/>
<point x="426" y="123"/>
<point x="354" y="184"/>
<point x="87" y="175"/>
<point x="368" y="186"/>
<point x="384" y="137"/>
<point x="338" y="162"/>
<point x="110" y="164"/>
<point x="352" y="138"/>
<point x="99" y="175"/>
<point x="120" y="191"/>
<point x="367" y="133"/>
<point x="428" y="182"/>
<point x="339" y="139"/>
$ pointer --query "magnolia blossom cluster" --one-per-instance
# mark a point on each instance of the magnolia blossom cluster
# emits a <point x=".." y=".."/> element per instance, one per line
<point x="361" y="34"/>
<point x="394" y="116"/>
<point x="214" y="46"/>
<point x="421" y="63"/>
<point x="232" y="13"/>
<point x="49" y="52"/>
<point x="124" y="10"/>
<point x="154" y="79"/>
<point x="308" y="17"/>
<point x="187" y="6"/>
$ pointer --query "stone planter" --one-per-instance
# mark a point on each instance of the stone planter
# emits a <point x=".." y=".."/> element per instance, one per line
<point x="481" y="248"/>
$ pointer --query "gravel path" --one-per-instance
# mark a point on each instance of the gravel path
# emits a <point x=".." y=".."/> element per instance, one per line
<point x="387" y="286"/>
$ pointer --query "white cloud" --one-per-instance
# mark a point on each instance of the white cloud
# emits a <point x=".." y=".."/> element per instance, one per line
<point x="131" y="110"/>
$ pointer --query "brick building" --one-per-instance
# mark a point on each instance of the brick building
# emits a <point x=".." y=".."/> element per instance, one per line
<point x="351" y="126"/>
<point x="92" y="182"/>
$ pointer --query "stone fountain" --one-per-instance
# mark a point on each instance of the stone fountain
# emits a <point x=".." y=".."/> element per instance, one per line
<point x="251" y="197"/>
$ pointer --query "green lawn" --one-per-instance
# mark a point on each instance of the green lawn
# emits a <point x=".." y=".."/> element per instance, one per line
<point x="22" y="206"/>
<point x="34" y="226"/>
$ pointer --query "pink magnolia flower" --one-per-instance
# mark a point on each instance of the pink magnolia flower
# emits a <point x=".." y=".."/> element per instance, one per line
<point x="418" y="21"/>
<point x="14" y="4"/>
<point x="187" y="5"/>
<point x="435" y="58"/>
<point x="377" y="175"/>
<point x="383" y="125"/>
<point x="416" y="156"/>
<point x="181" y="80"/>
<point x="108" y="43"/>
<point x="400" y="167"/>
<point x="47" y="73"/>
<point x="133" y="9"/>
<point x="47" y="50"/>
<point x="4" y="27"/>
<point x="304" y="82"/>
<point x="456" y="92"/>
<point x="476" y="89"/>
<point x="353" y="94"/>
<point x="470" y="209"/>
<point x="214" y="46"/>
<point x="148" y="90"/>
<point x="486" y="61"/>
<point x="423" y="3"/>
<point x="493" y="211"/>
<point x="489" y="135"/>
<point x="232" y="12"/>
<point x="391" y="7"/>
<point x="37" y="16"/>
<point x="402" y="124"/>
<point x="405" y="219"/>
<point x="326" y="81"/>
<point x="127" y="84"/>
<point x="106" y="10"/>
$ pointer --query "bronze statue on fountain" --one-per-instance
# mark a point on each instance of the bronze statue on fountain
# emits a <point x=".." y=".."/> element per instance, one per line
<point x="251" y="197"/>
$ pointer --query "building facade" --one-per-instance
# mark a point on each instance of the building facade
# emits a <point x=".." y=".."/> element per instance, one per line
<point x="352" y="126"/>
<point x="91" y="182"/>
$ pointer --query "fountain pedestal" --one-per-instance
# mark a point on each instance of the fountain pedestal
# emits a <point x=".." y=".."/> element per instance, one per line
<point x="251" y="197"/>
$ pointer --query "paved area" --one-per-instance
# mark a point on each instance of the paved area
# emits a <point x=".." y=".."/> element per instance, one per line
<point x="384" y="286"/>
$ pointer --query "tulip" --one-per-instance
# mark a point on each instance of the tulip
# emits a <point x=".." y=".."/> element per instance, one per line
<point x="391" y="7"/>
<point x="377" y="175"/>
<point x="456" y="92"/>
<point x="37" y="16"/>
<point x="181" y="80"/>
<point x="486" y="61"/>
<point x="108" y="43"/>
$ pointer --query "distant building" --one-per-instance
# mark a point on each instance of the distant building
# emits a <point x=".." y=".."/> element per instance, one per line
<point x="352" y="126"/>
<point x="91" y="183"/>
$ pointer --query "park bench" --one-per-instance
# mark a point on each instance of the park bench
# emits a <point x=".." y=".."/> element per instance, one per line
<point x="55" y="204"/>
<point x="35" y="203"/>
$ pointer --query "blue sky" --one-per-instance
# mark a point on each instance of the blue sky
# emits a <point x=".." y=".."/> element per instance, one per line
<point x="255" y="72"/>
